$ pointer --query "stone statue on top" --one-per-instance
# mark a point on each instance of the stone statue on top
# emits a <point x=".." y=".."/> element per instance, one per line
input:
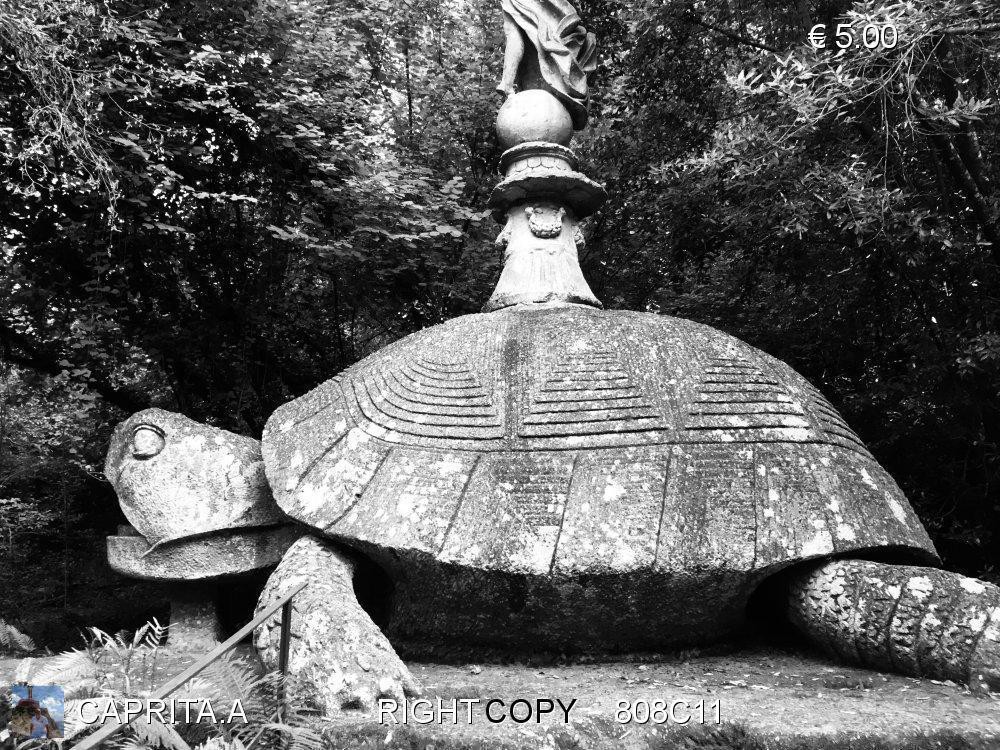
<point x="563" y="53"/>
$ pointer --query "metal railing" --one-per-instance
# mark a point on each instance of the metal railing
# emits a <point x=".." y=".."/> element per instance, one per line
<point x="284" y="604"/>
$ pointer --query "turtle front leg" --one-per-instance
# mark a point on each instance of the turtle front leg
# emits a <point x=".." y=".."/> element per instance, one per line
<point x="337" y="655"/>
<point x="914" y="620"/>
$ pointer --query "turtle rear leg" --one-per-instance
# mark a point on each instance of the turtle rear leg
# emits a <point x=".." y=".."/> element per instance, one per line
<point x="337" y="654"/>
<point x="914" y="620"/>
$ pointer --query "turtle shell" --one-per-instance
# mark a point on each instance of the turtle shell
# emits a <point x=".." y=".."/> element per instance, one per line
<point x="566" y="442"/>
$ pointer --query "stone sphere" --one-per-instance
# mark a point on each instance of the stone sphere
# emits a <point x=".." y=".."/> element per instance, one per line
<point x="533" y="115"/>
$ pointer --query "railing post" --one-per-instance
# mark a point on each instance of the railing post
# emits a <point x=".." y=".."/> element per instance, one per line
<point x="286" y="634"/>
<point x="283" y="643"/>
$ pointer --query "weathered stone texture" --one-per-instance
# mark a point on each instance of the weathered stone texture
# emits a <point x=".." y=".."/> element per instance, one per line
<point x="338" y="657"/>
<point x="438" y="605"/>
<point x="177" y="478"/>
<point x="221" y="553"/>
<point x="541" y="264"/>
<point x="908" y="619"/>
<point x="533" y="115"/>
<point x="194" y="624"/>
<point x="548" y="48"/>
<point x="548" y="443"/>
<point x="543" y="171"/>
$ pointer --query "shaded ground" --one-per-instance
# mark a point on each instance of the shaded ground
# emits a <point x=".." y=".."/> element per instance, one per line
<point x="772" y="693"/>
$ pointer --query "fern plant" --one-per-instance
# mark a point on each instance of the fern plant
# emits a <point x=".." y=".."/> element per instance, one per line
<point x="13" y="640"/>
<point x="113" y="668"/>
<point x="273" y="723"/>
<point x="108" y="665"/>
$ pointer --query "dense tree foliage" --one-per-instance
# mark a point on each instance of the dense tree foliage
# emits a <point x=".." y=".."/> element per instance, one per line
<point x="212" y="207"/>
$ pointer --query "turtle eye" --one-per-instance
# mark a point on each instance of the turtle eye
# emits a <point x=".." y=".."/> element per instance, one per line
<point x="147" y="441"/>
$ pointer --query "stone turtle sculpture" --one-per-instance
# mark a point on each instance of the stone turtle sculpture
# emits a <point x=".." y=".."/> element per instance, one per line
<point x="559" y="477"/>
<point x="550" y="475"/>
<point x="555" y="476"/>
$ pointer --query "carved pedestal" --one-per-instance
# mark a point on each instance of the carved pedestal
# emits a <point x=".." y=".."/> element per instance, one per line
<point x="194" y="618"/>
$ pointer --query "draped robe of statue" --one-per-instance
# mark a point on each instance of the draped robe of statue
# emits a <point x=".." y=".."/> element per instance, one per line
<point x="565" y="51"/>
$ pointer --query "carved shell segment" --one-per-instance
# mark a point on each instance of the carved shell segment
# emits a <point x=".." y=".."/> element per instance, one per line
<point x="565" y="441"/>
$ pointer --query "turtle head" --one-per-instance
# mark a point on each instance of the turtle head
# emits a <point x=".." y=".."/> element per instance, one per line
<point x="177" y="478"/>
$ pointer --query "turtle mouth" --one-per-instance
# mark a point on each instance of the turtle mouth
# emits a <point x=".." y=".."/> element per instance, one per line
<point x="228" y="532"/>
<point x="208" y="554"/>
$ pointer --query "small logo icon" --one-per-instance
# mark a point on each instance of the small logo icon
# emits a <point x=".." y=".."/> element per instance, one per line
<point x="817" y="36"/>
<point x="36" y="711"/>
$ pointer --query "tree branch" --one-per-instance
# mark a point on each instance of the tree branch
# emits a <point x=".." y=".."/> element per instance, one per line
<point x="732" y="35"/>
<point x="985" y="216"/>
<point x="985" y="28"/>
